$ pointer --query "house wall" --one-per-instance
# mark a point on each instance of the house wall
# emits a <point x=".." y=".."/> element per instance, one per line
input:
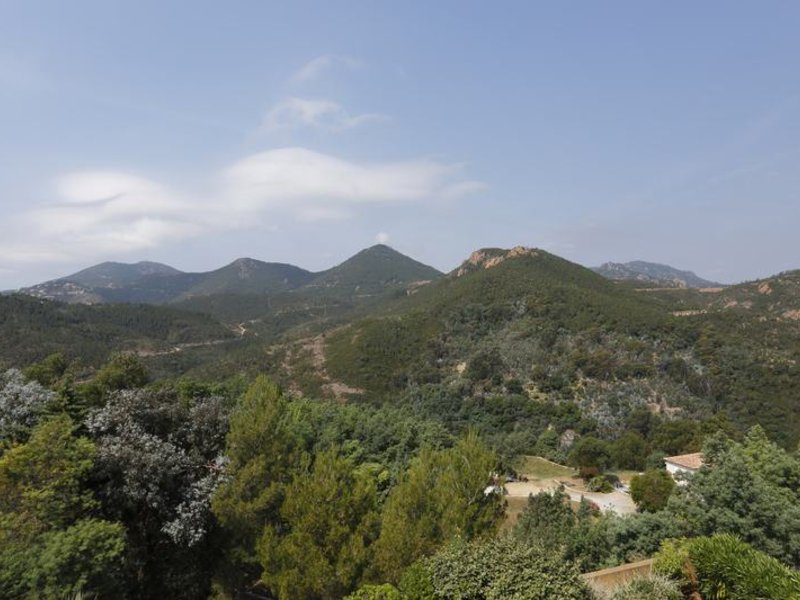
<point x="606" y="580"/>
<point x="674" y="470"/>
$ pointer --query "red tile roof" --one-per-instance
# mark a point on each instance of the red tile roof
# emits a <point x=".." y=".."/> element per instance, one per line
<point x="688" y="461"/>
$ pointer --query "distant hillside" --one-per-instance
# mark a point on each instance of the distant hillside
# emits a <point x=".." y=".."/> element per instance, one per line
<point x="32" y="328"/>
<point x="653" y="274"/>
<point x="248" y="276"/>
<point x="777" y="297"/>
<point x="116" y="275"/>
<point x="359" y="285"/>
<point x="96" y="284"/>
<point x="370" y="273"/>
<point x="373" y="271"/>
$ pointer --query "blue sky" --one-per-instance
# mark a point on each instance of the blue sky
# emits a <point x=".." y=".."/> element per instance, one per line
<point x="196" y="132"/>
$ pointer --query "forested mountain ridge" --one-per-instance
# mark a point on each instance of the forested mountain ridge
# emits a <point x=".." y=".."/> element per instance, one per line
<point x="526" y="320"/>
<point x="522" y="319"/>
<point x="652" y="274"/>
<point x="92" y="285"/>
<point x="32" y="328"/>
<point x="115" y="274"/>
<point x="371" y="272"/>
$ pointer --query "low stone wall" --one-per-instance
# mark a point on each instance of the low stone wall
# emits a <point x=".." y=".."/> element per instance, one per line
<point x="608" y="579"/>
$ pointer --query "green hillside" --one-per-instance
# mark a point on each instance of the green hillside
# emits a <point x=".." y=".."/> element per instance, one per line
<point x="531" y="296"/>
<point x="522" y="325"/>
<point x="31" y="329"/>
<point x="248" y="276"/>
<point x="527" y="323"/>
<point x="115" y="274"/>
<point x="102" y="283"/>
<point x="372" y="271"/>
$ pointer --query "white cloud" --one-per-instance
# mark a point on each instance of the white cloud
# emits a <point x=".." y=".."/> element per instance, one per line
<point x="101" y="214"/>
<point x="314" y="68"/>
<point x="291" y="177"/>
<point x="382" y="237"/>
<point x="323" y="114"/>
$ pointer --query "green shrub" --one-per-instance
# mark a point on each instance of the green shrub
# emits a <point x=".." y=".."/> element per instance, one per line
<point x="600" y="484"/>
<point x="651" y="587"/>
<point x="503" y="568"/>
<point x="722" y="567"/>
<point x="384" y="591"/>
<point x="416" y="582"/>
<point x="651" y="490"/>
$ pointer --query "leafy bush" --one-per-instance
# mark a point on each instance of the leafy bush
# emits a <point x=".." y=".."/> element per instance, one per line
<point x="724" y="567"/>
<point x="416" y="583"/>
<point x="384" y="591"/>
<point x="590" y="452"/>
<point x="600" y="484"/>
<point x="651" y="490"/>
<point x="651" y="587"/>
<point x="504" y="569"/>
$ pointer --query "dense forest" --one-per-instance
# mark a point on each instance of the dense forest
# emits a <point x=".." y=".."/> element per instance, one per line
<point x="317" y="445"/>
<point x="120" y="487"/>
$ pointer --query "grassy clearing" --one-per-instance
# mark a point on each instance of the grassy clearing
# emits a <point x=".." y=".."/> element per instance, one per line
<point x="537" y="468"/>
<point x="514" y="507"/>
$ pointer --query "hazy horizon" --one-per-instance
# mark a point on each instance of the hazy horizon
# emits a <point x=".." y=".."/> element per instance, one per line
<point x="196" y="133"/>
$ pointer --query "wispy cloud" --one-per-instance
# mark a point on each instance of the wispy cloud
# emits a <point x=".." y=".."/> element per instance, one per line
<point x="292" y="177"/>
<point x="99" y="214"/>
<point x="316" y="67"/>
<point x="323" y="114"/>
<point x="107" y="212"/>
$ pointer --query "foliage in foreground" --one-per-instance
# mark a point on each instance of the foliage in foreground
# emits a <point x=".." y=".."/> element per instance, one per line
<point x="503" y="569"/>
<point x="724" y="567"/>
<point x="304" y="521"/>
<point x="328" y="520"/>
<point x="440" y="496"/>
<point x="651" y="587"/>
<point x="549" y="522"/>
<point x="49" y="541"/>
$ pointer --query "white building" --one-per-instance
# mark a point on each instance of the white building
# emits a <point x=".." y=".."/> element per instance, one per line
<point x="685" y="464"/>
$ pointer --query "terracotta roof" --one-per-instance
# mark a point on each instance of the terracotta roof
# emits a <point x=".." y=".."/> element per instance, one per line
<point x="687" y="461"/>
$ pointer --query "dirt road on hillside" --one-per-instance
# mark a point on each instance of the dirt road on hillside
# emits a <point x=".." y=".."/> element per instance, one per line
<point x="615" y="501"/>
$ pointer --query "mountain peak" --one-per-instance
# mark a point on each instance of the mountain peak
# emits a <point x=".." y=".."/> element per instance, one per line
<point x="373" y="269"/>
<point x="245" y="267"/>
<point x="379" y="250"/>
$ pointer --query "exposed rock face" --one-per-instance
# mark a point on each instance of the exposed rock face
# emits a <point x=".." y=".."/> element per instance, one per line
<point x="415" y="286"/>
<point x="567" y="440"/>
<point x="246" y="267"/>
<point x="491" y="257"/>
